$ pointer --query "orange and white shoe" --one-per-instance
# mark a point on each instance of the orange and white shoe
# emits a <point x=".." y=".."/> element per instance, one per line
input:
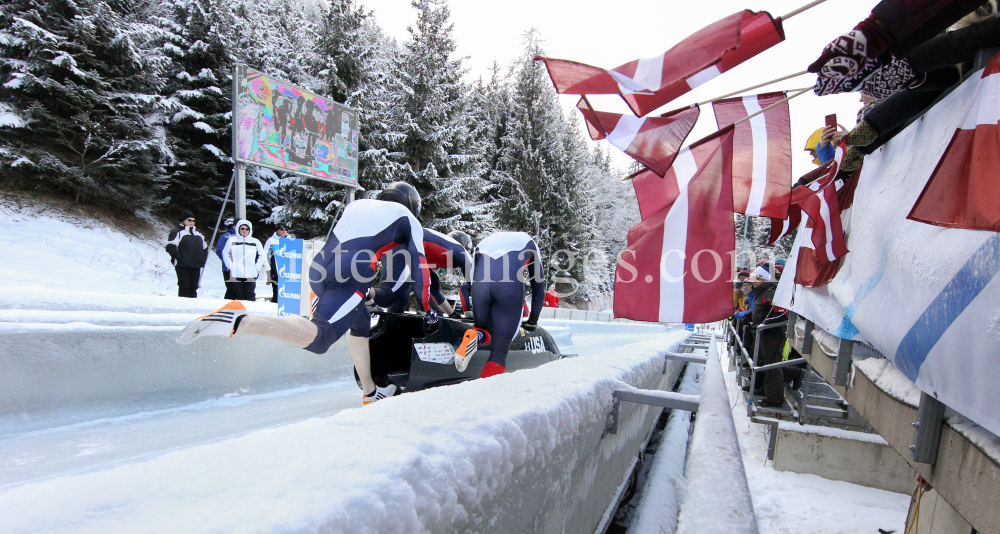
<point x="379" y="394"/>
<point x="473" y="338"/>
<point x="221" y="322"/>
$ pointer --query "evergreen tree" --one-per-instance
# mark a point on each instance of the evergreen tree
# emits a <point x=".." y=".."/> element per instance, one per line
<point x="434" y="120"/>
<point x="540" y="154"/>
<point x="197" y="107"/>
<point x="77" y="84"/>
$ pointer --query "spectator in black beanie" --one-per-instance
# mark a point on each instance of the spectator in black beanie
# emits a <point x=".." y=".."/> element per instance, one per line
<point x="188" y="252"/>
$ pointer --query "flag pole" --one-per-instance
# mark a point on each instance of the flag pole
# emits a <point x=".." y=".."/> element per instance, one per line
<point x="752" y="87"/>
<point x="778" y="103"/>
<point x="748" y="117"/>
<point x="808" y="6"/>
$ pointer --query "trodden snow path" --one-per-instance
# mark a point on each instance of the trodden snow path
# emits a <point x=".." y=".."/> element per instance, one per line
<point x="792" y="503"/>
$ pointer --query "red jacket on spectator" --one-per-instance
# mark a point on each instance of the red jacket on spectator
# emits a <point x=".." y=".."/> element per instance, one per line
<point x="551" y="299"/>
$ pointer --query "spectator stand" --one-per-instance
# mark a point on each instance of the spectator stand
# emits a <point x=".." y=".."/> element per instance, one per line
<point x="814" y="402"/>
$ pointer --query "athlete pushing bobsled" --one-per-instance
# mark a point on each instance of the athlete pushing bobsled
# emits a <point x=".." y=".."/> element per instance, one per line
<point x="442" y="252"/>
<point x="498" y="282"/>
<point x="339" y="277"/>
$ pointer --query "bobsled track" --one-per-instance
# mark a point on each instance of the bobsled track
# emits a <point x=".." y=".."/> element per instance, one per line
<point x="108" y="425"/>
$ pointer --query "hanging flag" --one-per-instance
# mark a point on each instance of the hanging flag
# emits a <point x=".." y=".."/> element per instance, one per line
<point x="782" y="227"/>
<point x="963" y="191"/>
<point x="679" y="260"/>
<point x="646" y="84"/>
<point x="762" y="153"/>
<point x="652" y="141"/>
<point x="810" y="269"/>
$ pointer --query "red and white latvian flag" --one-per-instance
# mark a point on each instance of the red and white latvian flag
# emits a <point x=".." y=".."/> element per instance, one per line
<point x="810" y="270"/>
<point x="964" y="190"/>
<point x="652" y="141"/>
<point x="646" y="84"/>
<point x="762" y="153"/>
<point x="782" y="227"/>
<point x="818" y="201"/>
<point x="679" y="261"/>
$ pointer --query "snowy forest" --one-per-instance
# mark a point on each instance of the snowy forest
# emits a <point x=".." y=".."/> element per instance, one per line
<point x="125" y="105"/>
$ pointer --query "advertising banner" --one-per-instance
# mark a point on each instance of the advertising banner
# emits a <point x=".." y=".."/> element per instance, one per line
<point x="924" y="296"/>
<point x="287" y="128"/>
<point x="288" y="262"/>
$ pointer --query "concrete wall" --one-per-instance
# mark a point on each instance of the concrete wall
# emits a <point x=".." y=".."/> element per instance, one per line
<point x="935" y="516"/>
<point x="68" y="375"/>
<point x="875" y="465"/>
<point x="964" y="475"/>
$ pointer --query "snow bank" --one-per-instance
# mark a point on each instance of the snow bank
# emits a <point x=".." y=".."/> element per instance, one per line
<point x="65" y="252"/>
<point x="889" y="379"/>
<point x="518" y="452"/>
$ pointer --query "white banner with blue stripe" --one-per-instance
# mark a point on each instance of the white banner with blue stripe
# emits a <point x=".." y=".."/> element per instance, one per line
<point x="927" y="297"/>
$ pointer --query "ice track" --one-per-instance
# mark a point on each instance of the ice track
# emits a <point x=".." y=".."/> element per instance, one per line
<point x="101" y="443"/>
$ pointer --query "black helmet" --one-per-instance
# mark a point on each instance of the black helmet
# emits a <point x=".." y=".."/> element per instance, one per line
<point x="402" y="193"/>
<point x="462" y="238"/>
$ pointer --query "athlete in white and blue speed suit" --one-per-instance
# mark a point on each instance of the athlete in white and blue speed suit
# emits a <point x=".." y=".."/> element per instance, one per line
<point x="342" y="272"/>
<point x="498" y="291"/>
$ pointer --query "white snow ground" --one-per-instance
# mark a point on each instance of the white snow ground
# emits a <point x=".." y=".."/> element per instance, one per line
<point x="54" y="250"/>
<point x="792" y="503"/>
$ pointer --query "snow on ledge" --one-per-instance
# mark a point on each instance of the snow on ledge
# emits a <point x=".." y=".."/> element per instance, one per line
<point x="829" y="432"/>
<point x="485" y="456"/>
<point x="886" y="377"/>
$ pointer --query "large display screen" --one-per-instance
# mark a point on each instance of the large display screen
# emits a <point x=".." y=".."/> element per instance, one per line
<point x="286" y="128"/>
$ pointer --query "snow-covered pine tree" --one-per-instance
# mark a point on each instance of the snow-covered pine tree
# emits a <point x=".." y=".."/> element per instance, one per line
<point x="434" y="115"/>
<point x="614" y="212"/>
<point x="379" y="101"/>
<point x="490" y="111"/>
<point x="343" y="51"/>
<point x="77" y="81"/>
<point x="197" y="107"/>
<point x="541" y="157"/>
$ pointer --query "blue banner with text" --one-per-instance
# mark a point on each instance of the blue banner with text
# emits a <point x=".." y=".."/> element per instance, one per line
<point x="288" y="262"/>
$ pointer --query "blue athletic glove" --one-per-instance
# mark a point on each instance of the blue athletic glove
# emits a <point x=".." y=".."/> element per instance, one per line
<point x="432" y="317"/>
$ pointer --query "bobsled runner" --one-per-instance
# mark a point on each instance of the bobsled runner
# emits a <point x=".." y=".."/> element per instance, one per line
<point x="415" y="356"/>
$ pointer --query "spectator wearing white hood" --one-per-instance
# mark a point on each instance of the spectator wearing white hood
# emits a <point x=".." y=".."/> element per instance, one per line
<point x="244" y="256"/>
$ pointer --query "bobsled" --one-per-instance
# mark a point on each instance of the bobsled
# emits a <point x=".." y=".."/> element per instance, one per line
<point x="413" y="355"/>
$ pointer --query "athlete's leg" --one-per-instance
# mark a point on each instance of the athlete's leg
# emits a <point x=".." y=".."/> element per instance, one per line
<point x="294" y="331"/>
<point x="357" y="347"/>
<point x="504" y="318"/>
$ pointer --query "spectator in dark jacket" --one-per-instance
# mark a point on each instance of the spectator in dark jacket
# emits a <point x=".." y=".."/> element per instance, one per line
<point x="188" y="252"/>
<point x="772" y="340"/>
<point x="230" y="232"/>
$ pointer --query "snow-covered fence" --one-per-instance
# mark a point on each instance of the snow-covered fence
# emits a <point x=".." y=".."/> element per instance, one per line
<point x="519" y="452"/>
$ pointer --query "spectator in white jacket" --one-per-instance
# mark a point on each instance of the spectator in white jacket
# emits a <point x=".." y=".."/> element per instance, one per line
<point x="245" y="258"/>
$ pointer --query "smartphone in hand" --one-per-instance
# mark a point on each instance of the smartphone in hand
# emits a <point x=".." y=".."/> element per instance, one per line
<point x="831" y="120"/>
